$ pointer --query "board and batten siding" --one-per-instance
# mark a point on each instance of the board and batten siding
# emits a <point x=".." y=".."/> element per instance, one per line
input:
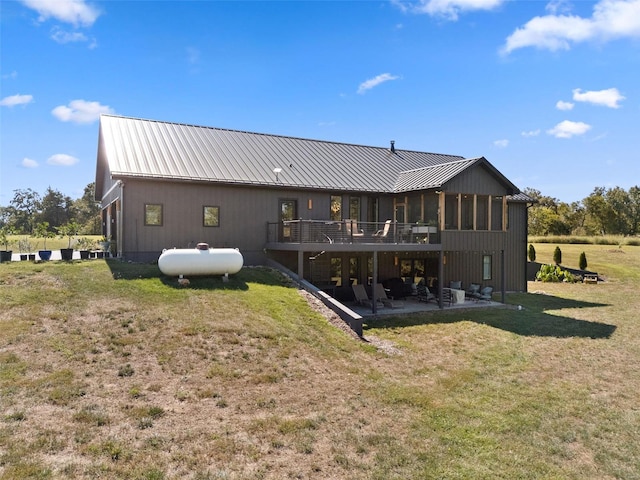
<point x="244" y="213"/>
<point x="477" y="180"/>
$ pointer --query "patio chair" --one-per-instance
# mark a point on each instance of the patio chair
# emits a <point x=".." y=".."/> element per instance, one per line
<point x="424" y="294"/>
<point x="457" y="284"/>
<point x="381" y="295"/>
<point x="471" y="292"/>
<point x="351" y="227"/>
<point x="383" y="232"/>
<point x="485" y="294"/>
<point x="361" y="295"/>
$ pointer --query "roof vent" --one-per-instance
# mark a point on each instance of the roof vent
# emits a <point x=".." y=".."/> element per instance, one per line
<point x="393" y="146"/>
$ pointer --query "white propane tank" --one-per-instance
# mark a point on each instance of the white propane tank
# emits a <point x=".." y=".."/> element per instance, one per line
<point x="201" y="260"/>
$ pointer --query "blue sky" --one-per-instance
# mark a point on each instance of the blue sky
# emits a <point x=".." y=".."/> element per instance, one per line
<point x="549" y="92"/>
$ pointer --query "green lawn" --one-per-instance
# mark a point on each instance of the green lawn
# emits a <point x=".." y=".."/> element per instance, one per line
<point x="110" y="370"/>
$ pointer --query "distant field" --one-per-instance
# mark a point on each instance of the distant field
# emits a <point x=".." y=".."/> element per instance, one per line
<point x="55" y="243"/>
<point x="110" y="370"/>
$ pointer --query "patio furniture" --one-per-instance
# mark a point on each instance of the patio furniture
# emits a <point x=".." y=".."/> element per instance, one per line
<point x="361" y="295"/>
<point x="381" y="295"/>
<point x="424" y="294"/>
<point x="485" y="294"/>
<point x="351" y="227"/>
<point x="471" y="292"/>
<point x="457" y="296"/>
<point x="383" y="232"/>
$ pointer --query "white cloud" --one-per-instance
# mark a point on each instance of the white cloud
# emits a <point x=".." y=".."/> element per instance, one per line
<point x="75" y="12"/>
<point x="568" y="129"/>
<point x="531" y="133"/>
<point x="80" y="111"/>
<point x="608" y="98"/>
<point x="61" y="36"/>
<point x="449" y="9"/>
<point x="504" y="143"/>
<point x="556" y="6"/>
<point x="561" y="105"/>
<point x="13" y="100"/>
<point x="611" y="19"/>
<point x="13" y="75"/>
<point x="374" y="82"/>
<point x="29" y="163"/>
<point x="62" y="160"/>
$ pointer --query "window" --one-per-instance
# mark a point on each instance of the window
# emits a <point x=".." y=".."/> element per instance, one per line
<point x="451" y="212"/>
<point x="211" y="217"/>
<point x="336" y="271"/>
<point x="153" y="214"/>
<point x="496" y="213"/>
<point x="354" y="208"/>
<point x="336" y="208"/>
<point x="354" y="270"/>
<point x="482" y="212"/>
<point x="486" y="267"/>
<point x="431" y="209"/>
<point x="466" y="204"/>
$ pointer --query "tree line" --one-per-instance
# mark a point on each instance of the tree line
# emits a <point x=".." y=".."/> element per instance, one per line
<point x="28" y="209"/>
<point x="613" y="211"/>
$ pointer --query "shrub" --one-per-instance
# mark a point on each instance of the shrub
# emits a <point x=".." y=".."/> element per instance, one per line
<point x="532" y="253"/>
<point x="553" y="273"/>
<point x="557" y="256"/>
<point x="583" y="261"/>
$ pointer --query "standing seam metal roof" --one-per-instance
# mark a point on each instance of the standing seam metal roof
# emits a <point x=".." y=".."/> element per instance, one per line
<point x="147" y="148"/>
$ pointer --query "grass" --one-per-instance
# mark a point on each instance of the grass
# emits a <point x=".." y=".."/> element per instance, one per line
<point x="110" y="370"/>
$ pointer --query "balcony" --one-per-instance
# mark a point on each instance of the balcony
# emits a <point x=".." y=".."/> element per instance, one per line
<point x="350" y="232"/>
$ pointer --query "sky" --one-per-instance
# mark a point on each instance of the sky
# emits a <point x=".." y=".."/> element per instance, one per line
<point x="548" y="92"/>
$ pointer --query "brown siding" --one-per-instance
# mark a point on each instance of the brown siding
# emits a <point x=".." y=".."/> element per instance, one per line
<point x="244" y="213"/>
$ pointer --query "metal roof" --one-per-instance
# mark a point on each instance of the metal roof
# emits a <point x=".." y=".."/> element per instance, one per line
<point x="131" y="147"/>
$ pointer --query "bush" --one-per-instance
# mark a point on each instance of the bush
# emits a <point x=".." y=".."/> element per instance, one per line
<point x="583" y="261"/>
<point x="557" y="256"/>
<point x="553" y="273"/>
<point x="532" y="253"/>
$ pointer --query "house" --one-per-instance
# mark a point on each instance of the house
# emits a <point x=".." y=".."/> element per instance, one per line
<point x="335" y="213"/>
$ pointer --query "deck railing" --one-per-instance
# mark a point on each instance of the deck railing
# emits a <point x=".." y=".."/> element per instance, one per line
<point x="350" y="231"/>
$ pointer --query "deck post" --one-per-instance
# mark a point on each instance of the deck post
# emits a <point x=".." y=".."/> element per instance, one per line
<point x="374" y="299"/>
<point x="300" y="264"/>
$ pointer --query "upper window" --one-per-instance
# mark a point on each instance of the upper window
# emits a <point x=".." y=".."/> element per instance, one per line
<point x="336" y="208"/>
<point x="496" y="214"/>
<point x="451" y="211"/>
<point x="354" y="208"/>
<point x="153" y="214"/>
<point x="482" y="212"/>
<point x="211" y="217"/>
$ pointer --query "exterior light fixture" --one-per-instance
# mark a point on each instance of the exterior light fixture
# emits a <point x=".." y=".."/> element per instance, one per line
<point x="277" y="170"/>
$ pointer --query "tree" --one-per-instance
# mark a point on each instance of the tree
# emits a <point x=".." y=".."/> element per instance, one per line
<point x="22" y="210"/>
<point x="88" y="211"/>
<point x="557" y="256"/>
<point x="583" y="261"/>
<point x="532" y="253"/>
<point x="619" y="205"/>
<point x="634" y="210"/>
<point x="56" y="209"/>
